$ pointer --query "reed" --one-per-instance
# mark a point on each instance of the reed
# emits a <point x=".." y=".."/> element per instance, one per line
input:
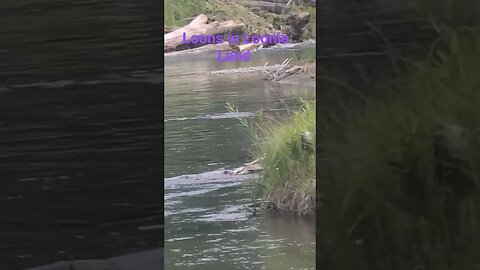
<point x="288" y="176"/>
<point x="381" y="204"/>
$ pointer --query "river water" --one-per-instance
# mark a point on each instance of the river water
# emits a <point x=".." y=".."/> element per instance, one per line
<point x="205" y="227"/>
<point x="80" y="130"/>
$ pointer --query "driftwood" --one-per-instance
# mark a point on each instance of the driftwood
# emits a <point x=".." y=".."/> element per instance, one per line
<point x="198" y="26"/>
<point x="213" y="48"/>
<point x="266" y="6"/>
<point x="249" y="46"/>
<point x="248" y="168"/>
<point x="285" y="70"/>
<point x="210" y="48"/>
<point x="274" y="73"/>
<point x="251" y="70"/>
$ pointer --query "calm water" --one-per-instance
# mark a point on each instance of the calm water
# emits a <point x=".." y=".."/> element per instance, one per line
<point x="205" y="227"/>
<point x="80" y="130"/>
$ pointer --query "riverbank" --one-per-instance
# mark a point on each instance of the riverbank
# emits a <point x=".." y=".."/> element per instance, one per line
<point x="399" y="181"/>
<point x="286" y="150"/>
<point x="206" y="222"/>
<point x="295" y="19"/>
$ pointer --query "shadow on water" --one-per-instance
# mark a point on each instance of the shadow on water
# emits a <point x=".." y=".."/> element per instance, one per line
<point x="80" y="130"/>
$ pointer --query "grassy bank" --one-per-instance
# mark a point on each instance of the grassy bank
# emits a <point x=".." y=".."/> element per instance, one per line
<point x="286" y="148"/>
<point x="289" y="161"/>
<point x="181" y="12"/>
<point x="384" y="202"/>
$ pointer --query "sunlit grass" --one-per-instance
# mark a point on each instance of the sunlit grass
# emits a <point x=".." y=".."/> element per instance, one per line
<point x="288" y="176"/>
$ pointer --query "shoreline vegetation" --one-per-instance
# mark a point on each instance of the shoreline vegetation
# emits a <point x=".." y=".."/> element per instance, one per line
<point x="285" y="149"/>
<point x="296" y="19"/>
<point x="221" y="19"/>
<point x="400" y="169"/>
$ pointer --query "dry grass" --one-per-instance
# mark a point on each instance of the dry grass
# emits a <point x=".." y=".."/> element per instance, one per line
<point x="292" y="201"/>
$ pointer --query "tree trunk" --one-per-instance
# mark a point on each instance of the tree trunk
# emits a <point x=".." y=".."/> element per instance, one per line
<point x="198" y="26"/>
<point x="267" y="6"/>
<point x="210" y="48"/>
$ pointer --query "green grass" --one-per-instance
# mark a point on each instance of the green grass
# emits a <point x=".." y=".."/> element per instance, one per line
<point x="180" y="12"/>
<point x="288" y="176"/>
<point x="176" y="11"/>
<point x="383" y="206"/>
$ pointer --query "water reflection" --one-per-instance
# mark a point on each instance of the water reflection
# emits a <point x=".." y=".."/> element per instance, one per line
<point x="80" y="130"/>
<point x="206" y="227"/>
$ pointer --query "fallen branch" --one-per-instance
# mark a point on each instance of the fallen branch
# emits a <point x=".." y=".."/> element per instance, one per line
<point x="266" y="6"/>
<point x="198" y="26"/>
<point x="288" y="73"/>
<point x="249" y="46"/>
<point x="210" y="48"/>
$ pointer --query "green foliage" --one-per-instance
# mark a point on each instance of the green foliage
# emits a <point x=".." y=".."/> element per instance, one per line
<point x="285" y="160"/>
<point x="176" y="11"/>
<point x="288" y="167"/>
<point x="180" y="12"/>
<point x="383" y="204"/>
<point x="304" y="56"/>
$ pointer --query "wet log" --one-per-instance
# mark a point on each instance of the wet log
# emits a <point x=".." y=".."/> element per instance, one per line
<point x="267" y="6"/>
<point x="198" y="26"/>
<point x="213" y="48"/>
<point x="249" y="46"/>
<point x="210" y="48"/>
<point x="289" y="72"/>
<point x="293" y="74"/>
<point x="247" y="70"/>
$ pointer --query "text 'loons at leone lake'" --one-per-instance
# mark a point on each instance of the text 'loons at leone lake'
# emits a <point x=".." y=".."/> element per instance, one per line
<point x="235" y="39"/>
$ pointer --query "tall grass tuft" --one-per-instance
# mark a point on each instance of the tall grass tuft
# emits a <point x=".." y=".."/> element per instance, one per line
<point x="382" y="205"/>
<point x="288" y="176"/>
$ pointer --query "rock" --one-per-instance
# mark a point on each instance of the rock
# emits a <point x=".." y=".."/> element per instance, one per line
<point x="296" y="21"/>
<point x="308" y="141"/>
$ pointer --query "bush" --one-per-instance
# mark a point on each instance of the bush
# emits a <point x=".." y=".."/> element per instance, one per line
<point x="286" y="149"/>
